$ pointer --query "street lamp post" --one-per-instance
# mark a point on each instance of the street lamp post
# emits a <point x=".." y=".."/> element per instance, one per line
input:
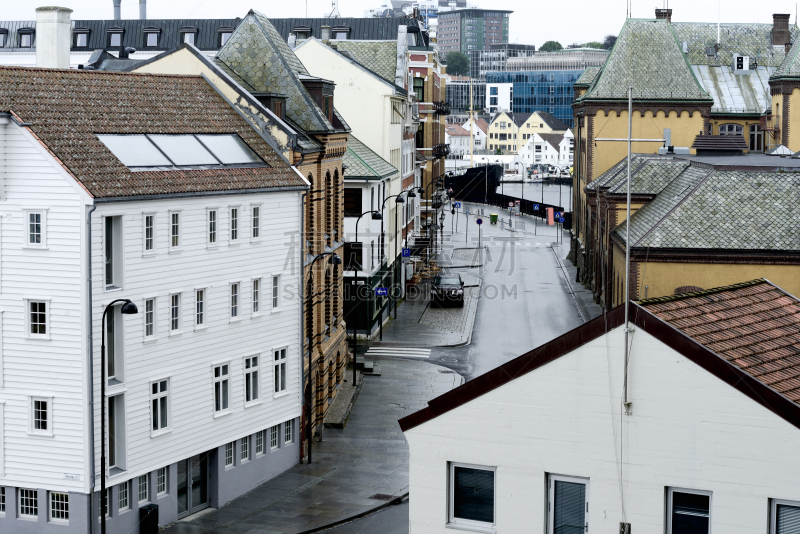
<point x="522" y="201"/>
<point x="376" y="216"/>
<point x="335" y="260"/>
<point x="398" y="199"/>
<point x="409" y="194"/>
<point x="424" y="192"/>
<point x="128" y="308"/>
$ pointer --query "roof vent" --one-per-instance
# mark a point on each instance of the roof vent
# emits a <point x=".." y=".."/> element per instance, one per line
<point x="325" y="33"/>
<point x="686" y="47"/>
<point x="291" y="40"/>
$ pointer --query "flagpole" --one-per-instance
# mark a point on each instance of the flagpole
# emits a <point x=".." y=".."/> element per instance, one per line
<point x="628" y="250"/>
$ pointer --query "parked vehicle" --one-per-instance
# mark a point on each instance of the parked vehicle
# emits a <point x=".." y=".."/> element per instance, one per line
<point x="448" y="289"/>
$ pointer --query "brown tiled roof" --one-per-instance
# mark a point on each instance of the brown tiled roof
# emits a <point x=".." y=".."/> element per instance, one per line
<point x="754" y="325"/>
<point x="66" y="108"/>
<point x="455" y="129"/>
<point x="483" y="125"/>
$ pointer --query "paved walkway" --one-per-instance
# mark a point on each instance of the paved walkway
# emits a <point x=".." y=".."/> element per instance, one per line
<point x="352" y="466"/>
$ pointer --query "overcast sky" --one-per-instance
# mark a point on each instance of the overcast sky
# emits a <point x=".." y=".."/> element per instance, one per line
<point x="533" y="21"/>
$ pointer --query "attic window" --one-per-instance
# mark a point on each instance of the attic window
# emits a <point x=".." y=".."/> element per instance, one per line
<point x="302" y="32"/>
<point x="341" y="33"/>
<point x="151" y="37"/>
<point x="3" y="38"/>
<point x="81" y="37"/>
<point x="25" y="37"/>
<point x="189" y="35"/>
<point x="224" y="34"/>
<point x="167" y="152"/>
<point x="115" y="37"/>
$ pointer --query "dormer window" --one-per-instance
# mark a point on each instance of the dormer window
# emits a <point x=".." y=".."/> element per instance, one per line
<point x="224" y="34"/>
<point x="81" y="37"/>
<point x="151" y="37"/>
<point x="302" y="32"/>
<point x="25" y="37"/>
<point x="3" y="38"/>
<point x="189" y="35"/>
<point x="341" y="33"/>
<point x="115" y="37"/>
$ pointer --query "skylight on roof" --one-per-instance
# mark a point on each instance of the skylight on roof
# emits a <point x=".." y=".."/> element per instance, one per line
<point x="148" y="151"/>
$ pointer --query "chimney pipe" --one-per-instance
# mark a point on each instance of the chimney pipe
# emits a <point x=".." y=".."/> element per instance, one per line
<point x="117" y="10"/>
<point x="664" y="14"/>
<point x="142" y="9"/>
<point x="53" y="36"/>
<point x="780" y="29"/>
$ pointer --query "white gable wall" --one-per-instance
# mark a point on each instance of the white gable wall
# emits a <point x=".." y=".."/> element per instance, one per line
<point x="688" y="429"/>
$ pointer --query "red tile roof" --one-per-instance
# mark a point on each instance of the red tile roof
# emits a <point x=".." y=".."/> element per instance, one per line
<point x="66" y="108"/>
<point x="455" y="129"/>
<point x="754" y="325"/>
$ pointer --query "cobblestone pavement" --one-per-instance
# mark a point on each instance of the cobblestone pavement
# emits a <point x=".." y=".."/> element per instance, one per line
<point x="452" y="319"/>
<point x="368" y="457"/>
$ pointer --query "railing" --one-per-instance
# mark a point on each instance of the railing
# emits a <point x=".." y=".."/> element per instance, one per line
<point x="770" y="123"/>
<point x="441" y="151"/>
<point x="441" y="108"/>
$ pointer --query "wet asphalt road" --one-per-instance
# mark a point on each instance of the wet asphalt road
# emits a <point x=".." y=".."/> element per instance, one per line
<point x="391" y="520"/>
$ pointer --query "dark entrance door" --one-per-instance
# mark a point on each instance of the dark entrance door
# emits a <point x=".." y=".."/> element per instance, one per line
<point x="192" y="485"/>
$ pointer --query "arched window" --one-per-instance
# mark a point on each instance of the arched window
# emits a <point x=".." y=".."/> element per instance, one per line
<point x="731" y="129"/>
<point x="329" y="194"/>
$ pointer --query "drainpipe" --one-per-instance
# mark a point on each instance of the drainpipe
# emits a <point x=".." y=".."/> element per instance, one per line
<point x="90" y="361"/>
<point x="301" y="258"/>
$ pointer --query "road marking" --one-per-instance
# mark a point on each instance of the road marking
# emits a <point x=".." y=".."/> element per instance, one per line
<point x="399" y="352"/>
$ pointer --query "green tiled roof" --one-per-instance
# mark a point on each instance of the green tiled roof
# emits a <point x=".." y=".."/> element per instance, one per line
<point x="378" y="56"/>
<point x="754" y="40"/>
<point x="650" y="178"/>
<point x="588" y="76"/>
<point x="790" y="68"/>
<point x="647" y="57"/>
<point x="363" y="163"/>
<point x="258" y="56"/>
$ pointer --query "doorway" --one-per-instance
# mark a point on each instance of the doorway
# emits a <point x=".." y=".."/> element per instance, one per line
<point x="568" y="505"/>
<point x="193" y="485"/>
<point x="756" y="139"/>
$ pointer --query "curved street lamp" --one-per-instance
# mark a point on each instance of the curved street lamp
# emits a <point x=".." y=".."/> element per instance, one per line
<point x="398" y="199"/>
<point x="127" y="308"/>
<point x="335" y="260"/>
<point x="376" y="216"/>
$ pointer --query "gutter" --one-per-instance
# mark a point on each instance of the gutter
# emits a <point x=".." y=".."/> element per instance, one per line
<point x="163" y="196"/>
<point x="90" y="362"/>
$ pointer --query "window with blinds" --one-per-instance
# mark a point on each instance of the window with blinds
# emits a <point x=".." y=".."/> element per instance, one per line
<point x="567" y="505"/>
<point x="472" y="495"/>
<point x="785" y="517"/>
<point x="689" y="511"/>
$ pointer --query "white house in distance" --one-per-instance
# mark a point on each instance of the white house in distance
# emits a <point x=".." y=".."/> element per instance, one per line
<point x="458" y="138"/>
<point x="203" y="389"/>
<point x="706" y="440"/>
<point x="480" y="131"/>
<point x="549" y="149"/>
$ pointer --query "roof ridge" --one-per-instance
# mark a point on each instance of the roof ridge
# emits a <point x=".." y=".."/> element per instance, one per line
<point x="682" y="296"/>
<point x="89" y="72"/>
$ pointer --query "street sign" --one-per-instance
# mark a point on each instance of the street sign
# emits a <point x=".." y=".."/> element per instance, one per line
<point x="561" y="219"/>
<point x="536" y="206"/>
<point x="381" y="291"/>
<point x="406" y="252"/>
<point x="511" y="204"/>
<point x="457" y="205"/>
<point x="479" y="221"/>
<point x="557" y="214"/>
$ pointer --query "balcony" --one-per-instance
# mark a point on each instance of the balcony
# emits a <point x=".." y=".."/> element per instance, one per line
<point x="441" y="108"/>
<point x="441" y="151"/>
<point x="770" y="123"/>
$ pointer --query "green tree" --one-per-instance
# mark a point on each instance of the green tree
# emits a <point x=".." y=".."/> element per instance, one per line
<point x="609" y="41"/>
<point x="551" y="46"/>
<point x="498" y="152"/>
<point x="457" y="63"/>
<point x="592" y="44"/>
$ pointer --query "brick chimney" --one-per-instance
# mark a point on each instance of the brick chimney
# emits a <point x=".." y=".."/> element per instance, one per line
<point x="665" y="14"/>
<point x="53" y="37"/>
<point x="780" y="29"/>
<point x="788" y="46"/>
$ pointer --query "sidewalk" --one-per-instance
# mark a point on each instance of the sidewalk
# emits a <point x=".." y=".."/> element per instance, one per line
<point x="355" y="469"/>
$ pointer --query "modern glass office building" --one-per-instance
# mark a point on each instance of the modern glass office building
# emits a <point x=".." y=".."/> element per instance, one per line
<point x="542" y="90"/>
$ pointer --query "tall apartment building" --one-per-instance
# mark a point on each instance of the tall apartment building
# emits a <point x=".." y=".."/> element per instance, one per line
<point x="464" y="30"/>
<point x="496" y="57"/>
<point x="457" y="93"/>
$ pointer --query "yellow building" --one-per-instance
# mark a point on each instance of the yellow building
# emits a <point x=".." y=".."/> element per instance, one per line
<point x="510" y="131"/>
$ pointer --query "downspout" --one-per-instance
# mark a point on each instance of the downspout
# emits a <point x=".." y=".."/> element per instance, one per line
<point x="90" y="361"/>
<point x="301" y="258"/>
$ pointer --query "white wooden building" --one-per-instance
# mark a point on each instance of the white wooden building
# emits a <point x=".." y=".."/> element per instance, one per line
<point x="706" y="442"/>
<point x="549" y="149"/>
<point x="204" y="382"/>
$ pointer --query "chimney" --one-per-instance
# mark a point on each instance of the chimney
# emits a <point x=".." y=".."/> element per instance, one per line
<point x="664" y="14"/>
<point x="117" y="10"/>
<point x="142" y="9"/>
<point x="291" y="40"/>
<point x="780" y="29"/>
<point x="325" y="33"/>
<point x="53" y="37"/>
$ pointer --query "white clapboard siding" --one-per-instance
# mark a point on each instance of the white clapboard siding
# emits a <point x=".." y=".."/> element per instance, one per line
<point x="55" y="367"/>
<point x="187" y="357"/>
<point x="688" y="429"/>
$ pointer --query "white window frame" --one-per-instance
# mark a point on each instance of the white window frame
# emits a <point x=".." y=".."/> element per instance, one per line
<point x="153" y="238"/>
<point x="479" y="526"/>
<point x="157" y="396"/>
<point x="200" y="314"/>
<point x="234" y="224"/>
<point x="257" y="296"/>
<point x="274" y="437"/>
<point x="230" y="455"/>
<point x="275" y="298"/>
<point x="146" y="479"/>
<point x="261" y="438"/>
<point x="51" y="509"/>
<point x="237" y="307"/>
<point x="247" y="374"/>
<point x="118" y="252"/>
<point x="159" y="491"/>
<point x="28" y="517"/>
<point x="28" y="323"/>
<point x="256" y="229"/>
<point x="209" y="231"/>
<point x="32" y="430"/>
<point x="175" y="315"/>
<point x="127" y="494"/>
<point x="671" y="490"/>
<point x="219" y="380"/>
<point x="244" y="450"/>
<point x="154" y="318"/>
<point x="288" y="432"/>
<point x="171" y="229"/>
<point x="276" y="364"/>
<point x="42" y="231"/>
<point x="773" y="512"/>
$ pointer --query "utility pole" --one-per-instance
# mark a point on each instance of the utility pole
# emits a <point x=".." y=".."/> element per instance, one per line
<point x="471" y="127"/>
